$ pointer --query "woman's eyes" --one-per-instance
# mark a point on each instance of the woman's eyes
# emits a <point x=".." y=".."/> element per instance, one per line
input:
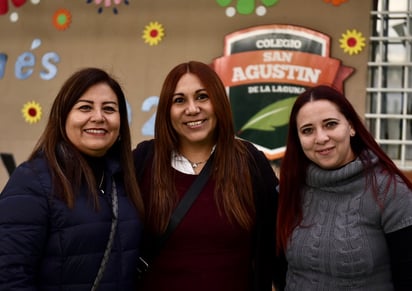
<point x="202" y="96"/>
<point x="327" y="125"/>
<point x="182" y="99"/>
<point x="178" y="100"/>
<point x="307" y="130"/>
<point x="87" y="108"/>
<point x="331" y="124"/>
<point x="109" y="109"/>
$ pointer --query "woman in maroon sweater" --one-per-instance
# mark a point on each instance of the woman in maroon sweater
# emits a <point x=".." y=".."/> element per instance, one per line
<point x="226" y="241"/>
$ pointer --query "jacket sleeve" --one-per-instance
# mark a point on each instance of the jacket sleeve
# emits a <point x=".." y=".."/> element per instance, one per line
<point x="141" y="154"/>
<point x="399" y="244"/>
<point x="23" y="229"/>
<point x="268" y="265"/>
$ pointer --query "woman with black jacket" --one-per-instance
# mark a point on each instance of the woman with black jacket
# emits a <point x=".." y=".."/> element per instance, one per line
<point x="70" y="215"/>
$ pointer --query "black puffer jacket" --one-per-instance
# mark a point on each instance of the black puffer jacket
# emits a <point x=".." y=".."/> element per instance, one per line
<point x="46" y="246"/>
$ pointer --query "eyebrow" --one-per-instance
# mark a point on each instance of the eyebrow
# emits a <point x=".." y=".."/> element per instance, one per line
<point x="181" y="94"/>
<point x="305" y="125"/>
<point x="323" y="121"/>
<point x="330" y="119"/>
<point x="91" y="102"/>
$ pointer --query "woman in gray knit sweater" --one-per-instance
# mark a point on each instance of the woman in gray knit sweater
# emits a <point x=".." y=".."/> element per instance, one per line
<point x="345" y="209"/>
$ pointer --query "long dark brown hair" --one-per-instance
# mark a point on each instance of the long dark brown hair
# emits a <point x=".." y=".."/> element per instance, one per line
<point x="294" y="164"/>
<point x="233" y="192"/>
<point x="68" y="166"/>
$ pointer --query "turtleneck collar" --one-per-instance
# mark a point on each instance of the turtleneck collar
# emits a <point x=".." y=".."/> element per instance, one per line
<point x="318" y="177"/>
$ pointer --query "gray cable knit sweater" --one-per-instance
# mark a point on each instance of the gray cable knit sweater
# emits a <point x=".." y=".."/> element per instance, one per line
<point x="340" y="244"/>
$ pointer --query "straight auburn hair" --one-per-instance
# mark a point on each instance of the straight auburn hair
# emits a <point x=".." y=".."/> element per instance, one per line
<point x="233" y="192"/>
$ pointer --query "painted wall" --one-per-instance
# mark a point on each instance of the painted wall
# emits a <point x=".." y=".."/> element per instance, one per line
<point x="40" y="49"/>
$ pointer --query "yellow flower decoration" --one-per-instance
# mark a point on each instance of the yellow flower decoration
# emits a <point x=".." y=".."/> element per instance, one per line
<point x="32" y="112"/>
<point x="153" y="33"/>
<point x="352" y="42"/>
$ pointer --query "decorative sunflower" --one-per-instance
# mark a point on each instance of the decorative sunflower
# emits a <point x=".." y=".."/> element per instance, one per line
<point x="32" y="112"/>
<point x="352" y="42"/>
<point x="335" y="2"/>
<point x="62" y="19"/>
<point x="153" y="33"/>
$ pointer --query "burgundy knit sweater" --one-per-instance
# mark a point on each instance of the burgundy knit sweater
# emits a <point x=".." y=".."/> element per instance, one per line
<point x="205" y="252"/>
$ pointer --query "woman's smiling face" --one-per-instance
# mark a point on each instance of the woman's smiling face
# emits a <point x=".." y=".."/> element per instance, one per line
<point x="192" y="114"/>
<point x="93" y="124"/>
<point x="324" y="134"/>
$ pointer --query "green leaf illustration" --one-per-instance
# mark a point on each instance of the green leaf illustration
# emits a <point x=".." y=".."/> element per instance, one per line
<point x="272" y="116"/>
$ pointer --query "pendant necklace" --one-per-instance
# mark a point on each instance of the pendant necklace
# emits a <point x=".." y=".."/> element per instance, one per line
<point x="101" y="183"/>
<point x="195" y="165"/>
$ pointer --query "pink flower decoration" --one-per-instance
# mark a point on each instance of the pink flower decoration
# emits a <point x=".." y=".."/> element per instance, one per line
<point x="108" y="3"/>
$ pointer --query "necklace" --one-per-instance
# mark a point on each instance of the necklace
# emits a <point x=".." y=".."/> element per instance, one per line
<point x="196" y="164"/>
<point x="101" y="183"/>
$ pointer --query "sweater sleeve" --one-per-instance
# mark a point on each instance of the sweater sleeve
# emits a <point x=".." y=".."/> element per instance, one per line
<point x="399" y="244"/>
<point x="23" y="229"/>
<point x="397" y="211"/>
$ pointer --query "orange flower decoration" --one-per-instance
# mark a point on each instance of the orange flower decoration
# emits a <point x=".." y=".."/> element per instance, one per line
<point x="62" y="19"/>
<point x="335" y="2"/>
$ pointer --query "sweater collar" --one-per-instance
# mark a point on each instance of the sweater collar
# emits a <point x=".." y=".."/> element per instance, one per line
<point x="318" y="177"/>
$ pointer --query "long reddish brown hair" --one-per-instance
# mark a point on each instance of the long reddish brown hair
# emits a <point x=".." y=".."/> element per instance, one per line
<point x="294" y="163"/>
<point x="233" y="193"/>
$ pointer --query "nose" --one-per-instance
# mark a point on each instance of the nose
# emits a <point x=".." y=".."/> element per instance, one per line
<point x="321" y="136"/>
<point x="192" y="108"/>
<point x="97" y="116"/>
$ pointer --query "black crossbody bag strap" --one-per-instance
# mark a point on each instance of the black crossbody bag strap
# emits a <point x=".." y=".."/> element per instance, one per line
<point x="177" y="215"/>
<point x="187" y="200"/>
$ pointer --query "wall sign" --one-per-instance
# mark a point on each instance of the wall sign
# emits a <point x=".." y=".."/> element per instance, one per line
<point x="264" y="69"/>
